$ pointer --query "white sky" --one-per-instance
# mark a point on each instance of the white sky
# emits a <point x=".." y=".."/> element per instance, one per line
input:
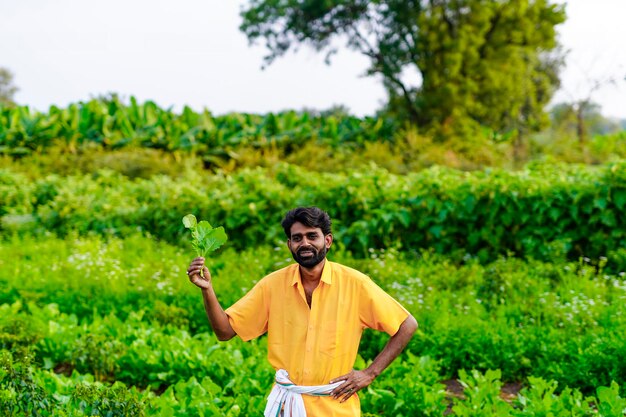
<point x="192" y="52"/>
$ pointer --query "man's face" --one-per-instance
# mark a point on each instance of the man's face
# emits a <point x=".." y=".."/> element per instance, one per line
<point x="308" y="245"/>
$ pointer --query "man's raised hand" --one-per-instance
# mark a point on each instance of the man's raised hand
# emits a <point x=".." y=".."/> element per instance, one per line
<point x="193" y="272"/>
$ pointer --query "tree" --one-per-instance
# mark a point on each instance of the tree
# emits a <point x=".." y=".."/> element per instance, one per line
<point x="477" y="62"/>
<point x="7" y="89"/>
<point x="582" y="106"/>
<point x="583" y="119"/>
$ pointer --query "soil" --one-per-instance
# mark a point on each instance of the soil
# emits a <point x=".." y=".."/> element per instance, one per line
<point x="64" y="368"/>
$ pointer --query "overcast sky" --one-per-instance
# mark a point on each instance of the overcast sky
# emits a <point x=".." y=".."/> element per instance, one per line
<point x="192" y="52"/>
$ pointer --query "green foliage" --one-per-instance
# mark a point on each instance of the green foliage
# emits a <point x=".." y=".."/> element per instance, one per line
<point x="205" y="238"/>
<point x="146" y="329"/>
<point x="419" y="393"/>
<point x="219" y="141"/>
<point x="143" y="140"/>
<point x="26" y="390"/>
<point x="599" y="149"/>
<point x="20" y="395"/>
<point x="493" y="55"/>
<point x="540" y="399"/>
<point x="543" y="211"/>
<point x="91" y="158"/>
<point x="475" y="62"/>
<point x="111" y="401"/>
<point x="610" y="403"/>
<point x="97" y="315"/>
<point x="482" y="393"/>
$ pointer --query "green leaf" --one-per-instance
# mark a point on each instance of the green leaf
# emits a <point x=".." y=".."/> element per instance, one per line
<point x="216" y="239"/>
<point x="554" y="213"/>
<point x="608" y="219"/>
<point x="600" y="202"/>
<point x="190" y="221"/>
<point x="404" y="217"/>
<point x="436" y="230"/>
<point x="205" y="238"/>
<point x="619" y="197"/>
<point x="208" y="239"/>
<point x="203" y="229"/>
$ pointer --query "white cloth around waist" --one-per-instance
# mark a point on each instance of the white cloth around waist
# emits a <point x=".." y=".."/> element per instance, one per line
<point x="287" y="396"/>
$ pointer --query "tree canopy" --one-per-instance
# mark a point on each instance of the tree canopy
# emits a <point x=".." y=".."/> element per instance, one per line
<point x="479" y="62"/>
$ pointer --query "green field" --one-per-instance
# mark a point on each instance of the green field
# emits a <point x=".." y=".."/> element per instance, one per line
<point x="109" y="324"/>
<point x="516" y="277"/>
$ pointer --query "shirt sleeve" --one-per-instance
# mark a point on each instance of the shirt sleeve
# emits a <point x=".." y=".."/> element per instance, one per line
<point x="380" y="311"/>
<point x="248" y="317"/>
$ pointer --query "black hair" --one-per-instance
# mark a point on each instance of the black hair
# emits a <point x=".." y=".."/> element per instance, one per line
<point x="308" y="216"/>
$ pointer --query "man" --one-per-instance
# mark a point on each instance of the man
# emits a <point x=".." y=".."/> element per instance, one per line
<point x="314" y="312"/>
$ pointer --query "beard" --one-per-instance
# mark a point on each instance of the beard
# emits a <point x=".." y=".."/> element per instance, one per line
<point x="311" y="260"/>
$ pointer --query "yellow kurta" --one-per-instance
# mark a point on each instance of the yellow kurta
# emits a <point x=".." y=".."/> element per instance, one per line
<point x="318" y="344"/>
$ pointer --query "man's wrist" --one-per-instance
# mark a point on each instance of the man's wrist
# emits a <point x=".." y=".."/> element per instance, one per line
<point x="373" y="373"/>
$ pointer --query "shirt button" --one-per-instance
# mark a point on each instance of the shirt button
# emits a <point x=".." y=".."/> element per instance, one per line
<point x="310" y="327"/>
<point x="308" y="349"/>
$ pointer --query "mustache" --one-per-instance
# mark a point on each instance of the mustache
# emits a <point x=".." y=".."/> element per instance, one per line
<point x="308" y="248"/>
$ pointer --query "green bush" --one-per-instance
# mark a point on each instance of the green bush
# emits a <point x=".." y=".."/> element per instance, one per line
<point x="542" y="212"/>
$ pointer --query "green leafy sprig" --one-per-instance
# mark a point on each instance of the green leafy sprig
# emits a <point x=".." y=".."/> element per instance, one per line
<point x="204" y="237"/>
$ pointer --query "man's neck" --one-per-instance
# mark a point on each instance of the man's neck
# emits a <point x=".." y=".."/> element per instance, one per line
<point x="312" y="275"/>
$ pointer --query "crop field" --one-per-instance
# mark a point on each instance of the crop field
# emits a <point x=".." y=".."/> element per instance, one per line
<point x="98" y="325"/>
<point x="517" y="278"/>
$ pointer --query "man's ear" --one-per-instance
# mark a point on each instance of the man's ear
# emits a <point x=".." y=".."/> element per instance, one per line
<point x="328" y="240"/>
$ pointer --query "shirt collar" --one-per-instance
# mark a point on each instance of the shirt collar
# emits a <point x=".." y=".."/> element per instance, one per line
<point x="327" y="274"/>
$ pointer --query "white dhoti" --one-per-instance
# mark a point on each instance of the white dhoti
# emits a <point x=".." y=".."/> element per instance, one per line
<point x="287" y="396"/>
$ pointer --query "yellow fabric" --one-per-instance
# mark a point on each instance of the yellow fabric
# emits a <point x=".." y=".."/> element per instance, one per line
<point x="318" y="344"/>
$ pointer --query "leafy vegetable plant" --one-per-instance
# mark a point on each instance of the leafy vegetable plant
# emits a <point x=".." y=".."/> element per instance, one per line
<point x="205" y="238"/>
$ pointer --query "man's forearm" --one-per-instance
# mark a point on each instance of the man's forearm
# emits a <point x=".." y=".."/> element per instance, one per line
<point x="394" y="346"/>
<point x="216" y="315"/>
<point x="357" y="380"/>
